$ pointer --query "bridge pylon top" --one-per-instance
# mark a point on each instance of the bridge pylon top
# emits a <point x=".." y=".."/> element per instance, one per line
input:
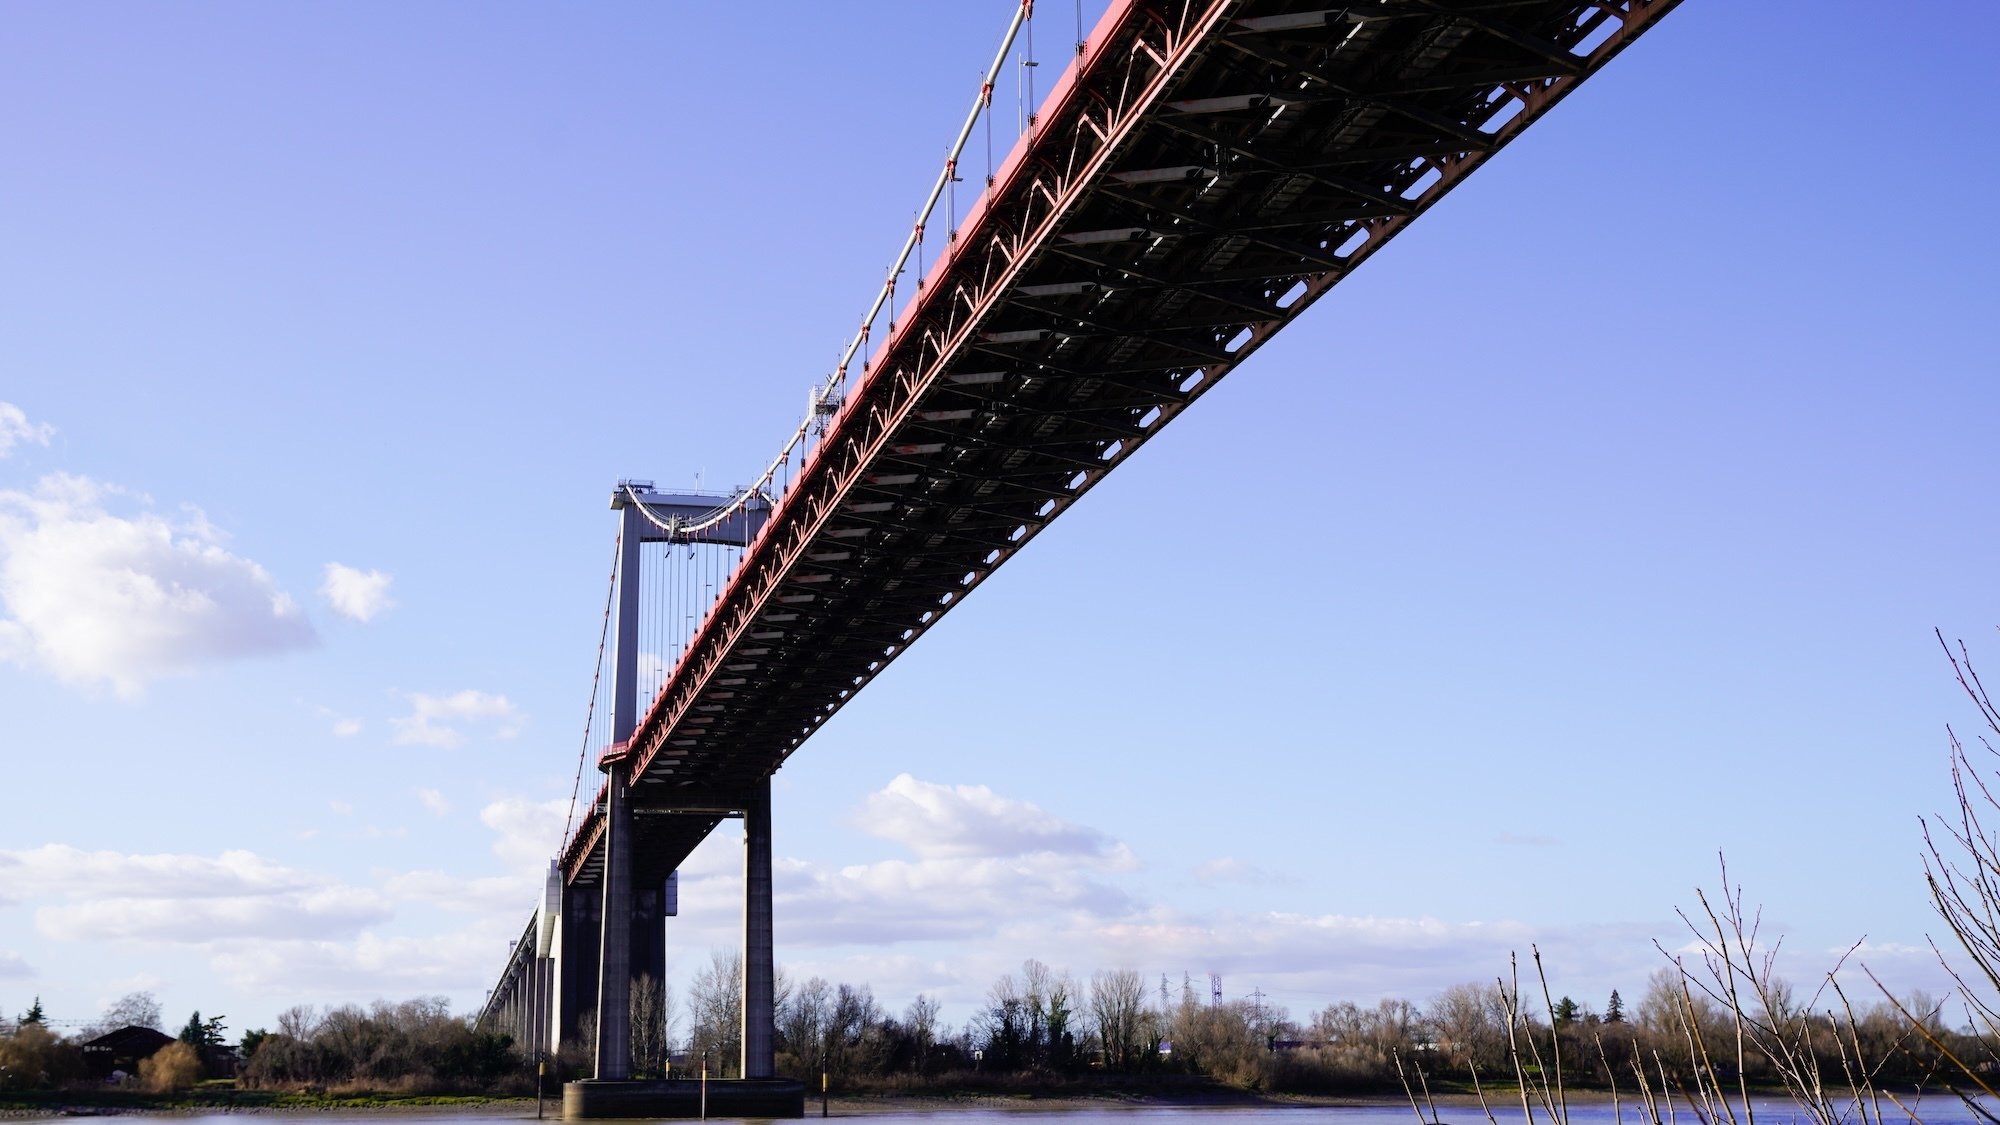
<point x="689" y="516"/>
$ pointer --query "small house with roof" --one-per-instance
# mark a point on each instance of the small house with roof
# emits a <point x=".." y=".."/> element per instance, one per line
<point x="119" y="1051"/>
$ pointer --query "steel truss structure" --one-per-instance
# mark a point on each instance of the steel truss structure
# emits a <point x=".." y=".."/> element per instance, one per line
<point x="1201" y="177"/>
<point x="1203" y="173"/>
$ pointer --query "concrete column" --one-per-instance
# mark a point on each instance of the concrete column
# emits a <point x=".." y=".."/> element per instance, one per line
<point x="545" y="1040"/>
<point x="531" y="1002"/>
<point x="614" y="967"/>
<point x="538" y="1008"/>
<point x="531" y="1011"/>
<point x="625" y="642"/>
<point x="545" y="989"/>
<point x="759" y="965"/>
<point x="649" y="935"/>
<point x="575" y="989"/>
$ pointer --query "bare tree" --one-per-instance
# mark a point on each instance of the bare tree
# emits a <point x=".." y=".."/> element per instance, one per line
<point x="652" y="1008"/>
<point x="1037" y="982"/>
<point x="802" y="1022"/>
<point x="851" y="1045"/>
<point x="1117" y="999"/>
<point x="1059" y="1017"/>
<point x="922" y="1019"/>
<point x="715" y="1005"/>
<point x="134" y="1009"/>
<point x="1962" y="868"/>
<point x="1002" y="1026"/>
<point x="1048" y="1003"/>
<point x="1471" y="1024"/>
<point x="300" y="1021"/>
<point x="579" y="1051"/>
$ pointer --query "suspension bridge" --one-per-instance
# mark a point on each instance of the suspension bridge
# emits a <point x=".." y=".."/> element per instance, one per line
<point x="1198" y="173"/>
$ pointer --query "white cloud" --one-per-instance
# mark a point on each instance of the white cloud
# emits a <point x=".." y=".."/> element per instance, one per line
<point x="430" y="720"/>
<point x="938" y="821"/>
<point x="1884" y="950"/>
<point x="652" y="668"/>
<point x="185" y="899"/>
<point x="115" y="988"/>
<point x="938" y="898"/>
<point x="340" y="808"/>
<point x="975" y="897"/>
<point x="529" y="831"/>
<point x="316" y="913"/>
<point x="355" y="594"/>
<point x="981" y="863"/>
<point x="15" y="429"/>
<point x="61" y="869"/>
<point x="369" y="966"/>
<point x="342" y="726"/>
<point x="288" y="934"/>
<point x="503" y="896"/>
<point x="98" y="597"/>
<point x="435" y="801"/>
<point x="939" y="919"/>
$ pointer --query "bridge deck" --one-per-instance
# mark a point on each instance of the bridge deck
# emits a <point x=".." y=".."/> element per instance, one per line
<point x="1203" y="174"/>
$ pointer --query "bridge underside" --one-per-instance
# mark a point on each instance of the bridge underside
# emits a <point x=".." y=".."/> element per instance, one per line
<point x="663" y="836"/>
<point x="1211" y="170"/>
<point x="1205" y="171"/>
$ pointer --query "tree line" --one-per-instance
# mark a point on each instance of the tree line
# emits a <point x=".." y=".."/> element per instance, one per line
<point x="416" y="1046"/>
<point x="1705" y="1028"/>
<point x="1044" y="1024"/>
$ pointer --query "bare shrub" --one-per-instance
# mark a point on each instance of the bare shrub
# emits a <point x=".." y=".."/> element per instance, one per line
<point x="414" y="1045"/>
<point x="37" y="1058"/>
<point x="171" y="1069"/>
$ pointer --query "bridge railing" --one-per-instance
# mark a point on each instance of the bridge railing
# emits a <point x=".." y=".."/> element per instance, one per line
<point x="930" y="247"/>
<point x="924" y="242"/>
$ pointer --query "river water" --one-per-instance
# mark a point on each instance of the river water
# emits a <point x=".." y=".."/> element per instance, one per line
<point x="1931" y="1110"/>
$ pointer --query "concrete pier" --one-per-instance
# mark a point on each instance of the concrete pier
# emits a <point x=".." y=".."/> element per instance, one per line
<point x="614" y="966"/>
<point x="684" y="1097"/>
<point x="759" y="965"/>
<point x="569" y="982"/>
<point x="578" y="927"/>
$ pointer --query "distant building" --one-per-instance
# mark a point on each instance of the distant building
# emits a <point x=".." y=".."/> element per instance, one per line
<point x="121" y="1050"/>
<point x="221" y="1061"/>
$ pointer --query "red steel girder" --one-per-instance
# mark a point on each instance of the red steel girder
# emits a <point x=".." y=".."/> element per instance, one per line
<point x="1399" y="111"/>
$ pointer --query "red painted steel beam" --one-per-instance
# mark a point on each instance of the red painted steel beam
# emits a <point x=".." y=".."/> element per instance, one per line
<point x="1300" y="149"/>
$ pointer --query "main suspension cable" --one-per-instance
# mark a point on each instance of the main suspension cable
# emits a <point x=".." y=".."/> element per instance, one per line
<point x="590" y="712"/>
<point x="825" y="394"/>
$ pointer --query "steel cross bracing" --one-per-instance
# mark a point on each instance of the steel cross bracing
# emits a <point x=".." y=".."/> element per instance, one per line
<point x="1204" y="172"/>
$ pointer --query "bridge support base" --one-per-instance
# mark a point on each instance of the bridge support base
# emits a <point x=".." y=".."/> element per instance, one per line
<point x="759" y="967"/>
<point x="682" y="1097"/>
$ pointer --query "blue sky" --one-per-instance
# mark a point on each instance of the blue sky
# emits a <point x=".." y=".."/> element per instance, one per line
<point x="1599" y="525"/>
